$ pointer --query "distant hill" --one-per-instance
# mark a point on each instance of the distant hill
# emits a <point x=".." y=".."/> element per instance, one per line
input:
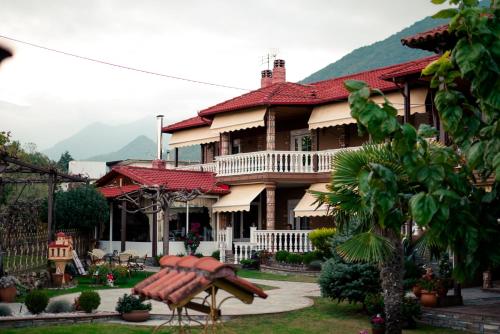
<point x="141" y="147"/>
<point x="383" y="53"/>
<point x="98" y="138"/>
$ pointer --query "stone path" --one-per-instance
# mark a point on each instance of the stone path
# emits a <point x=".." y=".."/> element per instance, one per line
<point x="288" y="296"/>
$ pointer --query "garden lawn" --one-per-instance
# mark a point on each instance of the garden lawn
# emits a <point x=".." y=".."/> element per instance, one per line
<point x="245" y="273"/>
<point x="325" y="316"/>
<point x="87" y="283"/>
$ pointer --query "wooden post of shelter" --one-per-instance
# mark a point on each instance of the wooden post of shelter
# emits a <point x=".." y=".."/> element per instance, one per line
<point x="123" y="225"/>
<point x="154" y="237"/>
<point x="166" y="229"/>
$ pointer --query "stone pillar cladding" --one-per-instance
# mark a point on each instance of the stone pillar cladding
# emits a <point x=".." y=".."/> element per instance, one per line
<point x="224" y="142"/>
<point x="271" y="130"/>
<point x="279" y="71"/>
<point x="159" y="164"/>
<point x="270" y="206"/>
<point x="266" y="78"/>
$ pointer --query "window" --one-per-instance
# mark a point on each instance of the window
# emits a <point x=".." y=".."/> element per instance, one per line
<point x="236" y="146"/>
<point x="300" y="140"/>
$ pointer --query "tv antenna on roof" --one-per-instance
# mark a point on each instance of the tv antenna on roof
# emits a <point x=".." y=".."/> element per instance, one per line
<point x="269" y="58"/>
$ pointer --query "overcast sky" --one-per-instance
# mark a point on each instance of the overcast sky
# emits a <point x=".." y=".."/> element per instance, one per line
<point x="45" y="96"/>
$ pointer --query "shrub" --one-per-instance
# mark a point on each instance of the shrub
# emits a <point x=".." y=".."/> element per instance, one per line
<point x="129" y="303"/>
<point x="216" y="255"/>
<point x="100" y="272"/>
<point x="120" y="275"/>
<point x="89" y="301"/>
<point x="312" y="256"/>
<point x="321" y="240"/>
<point x="59" y="306"/>
<point x="5" y="311"/>
<point x="249" y="264"/>
<point x="36" y="301"/>
<point x="294" y="258"/>
<point x="374" y="304"/>
<point x="198" y="255"/>
<point x="348" y="281"/>
<point x="263" y="256"/>
<point x="281" y="256"/>
<point x="315" y="265"/>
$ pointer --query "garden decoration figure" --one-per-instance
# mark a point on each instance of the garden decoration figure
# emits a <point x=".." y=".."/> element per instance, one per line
<point x="61" y="252"/>
<point x="184" y="280"/>
<point x="110" y="280"/>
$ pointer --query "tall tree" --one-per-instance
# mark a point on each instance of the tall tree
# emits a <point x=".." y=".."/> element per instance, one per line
<point x="63" y="163"/>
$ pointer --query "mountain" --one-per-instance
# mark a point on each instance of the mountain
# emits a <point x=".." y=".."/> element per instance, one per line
<point x="98" y="138"/>
<point x="382" y="53"/>
<point x="141" y="147"/>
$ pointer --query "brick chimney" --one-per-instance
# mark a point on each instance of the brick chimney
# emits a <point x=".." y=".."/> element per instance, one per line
<point x="266" y="78"/>
<point x="279" y="72"/>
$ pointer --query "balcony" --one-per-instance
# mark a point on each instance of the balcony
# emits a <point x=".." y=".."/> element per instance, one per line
<point x="269" y="162"/>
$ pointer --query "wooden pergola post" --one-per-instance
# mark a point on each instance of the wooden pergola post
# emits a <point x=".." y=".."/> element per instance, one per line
<point x="123" y="226"/>
<point x="166" y="229"/>
<point x="154" y="242"/>
<point x="51" y="183"/>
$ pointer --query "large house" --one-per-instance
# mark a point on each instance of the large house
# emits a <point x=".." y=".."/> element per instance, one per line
<point x="271" y="145"/>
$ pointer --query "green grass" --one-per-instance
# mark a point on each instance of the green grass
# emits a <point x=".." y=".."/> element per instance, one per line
<point x="87" y="283"/>
<point x="324" y="317"/>
<point x="245" y="273"/>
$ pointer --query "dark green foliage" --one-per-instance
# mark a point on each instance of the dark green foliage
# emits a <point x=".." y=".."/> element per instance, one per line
<point x="249" y="264"/>
<point x="89" y="301"/>
<point x="315" y="265"/>
<point x="348" y="281"/>
<point x="312" y="256"/>
<point x="374" y="304"/>
<point x="216" y="255"/>
<point x="59" y="306"/>
<point x="129" y="303"/>
<point x="320" y="239"/>
<point x="445" y="266"/>
<point x="99" y="273"/>
<point x="293" y="258"/>
<point x="198" y="255"/>
<point x="281" y="256"/>
<point x="82" y="207"/>
<point x="36" y="301"/>
<point x="5" y="310"/>
<point x="63" y="163"/>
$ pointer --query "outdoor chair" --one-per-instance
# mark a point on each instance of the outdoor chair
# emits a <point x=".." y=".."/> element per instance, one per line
<point x="97" y="256"/>
<point x="124" y="260"/>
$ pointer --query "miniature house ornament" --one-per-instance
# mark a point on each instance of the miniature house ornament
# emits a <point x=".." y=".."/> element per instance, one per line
<point x="61" y="252"/>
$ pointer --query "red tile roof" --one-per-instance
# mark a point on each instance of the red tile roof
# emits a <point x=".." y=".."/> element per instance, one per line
<point x="170" y="178"/>
<point x="183" y="278"/>
<point x="431" y="40"/>
<point x="114" y="191"/>
<point x="288" y="93"/>
<point x="414" y="67"/>
<point x="192" y="122"/>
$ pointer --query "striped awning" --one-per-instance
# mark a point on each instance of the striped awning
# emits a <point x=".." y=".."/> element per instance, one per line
<point x="233" y="121"/>
<point x="195" y="136"/>
<point x="307" y="206"/>
<point x="239" y="198"/>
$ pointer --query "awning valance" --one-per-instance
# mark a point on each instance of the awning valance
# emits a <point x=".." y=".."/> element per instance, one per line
<point x="340" y="113"/>
<point x="240" y="120"/>
<point x="239" y="198"/>
<point x="195" y="136"/>
<point x="306" y="208"/>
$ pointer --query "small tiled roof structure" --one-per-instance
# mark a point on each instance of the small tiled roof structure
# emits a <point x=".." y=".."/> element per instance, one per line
<point x="173" y="180"/>
<point x="436" y="39"/>
<point x="189" y="123"/>
<point x="182" y="278"/>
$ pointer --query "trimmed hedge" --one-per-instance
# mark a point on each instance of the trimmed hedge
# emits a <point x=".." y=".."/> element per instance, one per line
<point x="36" y="301"/>
<point x="89" y="301"/>
<point x="321" y="240"/>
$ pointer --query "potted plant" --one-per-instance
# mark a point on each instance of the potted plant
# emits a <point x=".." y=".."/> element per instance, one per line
<point x="428" y="297"/>
<point x="192" y="242"/>
<point x="378" y="324"/>
<point x="8" y="290"/>
<point x="132" y="308"/>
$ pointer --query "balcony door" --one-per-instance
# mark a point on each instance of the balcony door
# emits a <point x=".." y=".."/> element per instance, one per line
<point x="300" y="140"/>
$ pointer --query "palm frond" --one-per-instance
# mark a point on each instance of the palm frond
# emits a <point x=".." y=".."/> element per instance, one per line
<point x="365" y="247"/>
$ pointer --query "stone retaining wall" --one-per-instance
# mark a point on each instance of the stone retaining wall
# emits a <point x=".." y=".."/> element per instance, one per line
<point x="281" y="269"/>
<point x="460" y="321"/>
<point x="12" y="322"/>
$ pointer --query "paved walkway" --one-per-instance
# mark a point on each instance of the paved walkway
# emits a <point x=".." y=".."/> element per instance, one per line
<point x="288" y="296"/>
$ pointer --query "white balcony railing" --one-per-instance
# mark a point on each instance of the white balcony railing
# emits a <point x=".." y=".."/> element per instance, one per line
<point x="269" y="162"/>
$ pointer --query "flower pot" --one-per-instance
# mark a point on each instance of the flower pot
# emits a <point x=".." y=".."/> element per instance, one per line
<point x="428" y="299"/>
<point x="8" y="295"/>
<point x="378" y="330"/>
<point x="136" y="316"/>
<point x="417" y="291"/>
<point x="442" y="291"/>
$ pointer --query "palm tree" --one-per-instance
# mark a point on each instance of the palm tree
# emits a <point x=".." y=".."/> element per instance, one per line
<point x="357" y="175"/>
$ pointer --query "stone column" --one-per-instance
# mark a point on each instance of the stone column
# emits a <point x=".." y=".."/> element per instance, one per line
<point x="270" y="206"/>
<point x="271" y="130"/>
<point x="224" y="143"/>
